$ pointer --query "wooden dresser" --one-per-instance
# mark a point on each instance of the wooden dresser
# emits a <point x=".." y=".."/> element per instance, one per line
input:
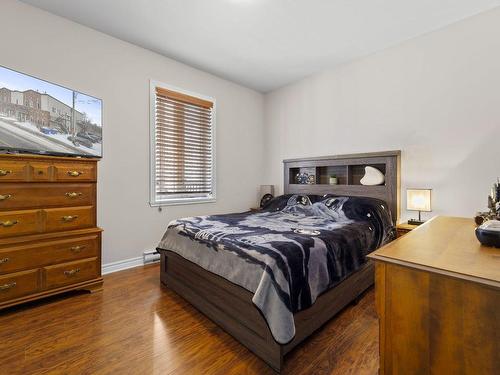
<point x="438" y="301"/>
<point x="49" y="241"/>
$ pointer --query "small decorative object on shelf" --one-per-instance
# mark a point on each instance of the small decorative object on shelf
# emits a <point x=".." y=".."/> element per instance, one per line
<point x="372" y="177"/>
<point x="267" y="193"/>
<point x="301" y="178"/>
<point x="333" y="180"/>
<point x="305" y="178"/>
<point x="418" y="200"/>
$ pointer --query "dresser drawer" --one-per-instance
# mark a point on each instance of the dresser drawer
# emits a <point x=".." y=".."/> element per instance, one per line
<point x="18" y="284"/>
<point x="31" y="195"/>
<point x="40" y="171"/>
<point x="74" y="172"/>
<point x="71" y="273"/>
<point x="13" y="170"/>
<point x="16" y="223"/>
<point x="57" y="219"/>
<point x="34" y="255"/>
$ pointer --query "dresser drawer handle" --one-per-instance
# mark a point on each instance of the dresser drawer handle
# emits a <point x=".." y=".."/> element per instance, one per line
<point x="73" y="194"/>
<point x="3" y="172"/>
<point x="77" y="249"/>
<point x="72" y="272"/>
<point x="8" y="286"/>
<point x="5" y="197"/>
<point x="75" y="173"/>
<point x="4" y="260"/>
<point x="8" y="223"/>
<point x="69" y="218"/>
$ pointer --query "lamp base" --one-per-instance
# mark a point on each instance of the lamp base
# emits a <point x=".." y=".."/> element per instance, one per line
<point x="415" y="222"/>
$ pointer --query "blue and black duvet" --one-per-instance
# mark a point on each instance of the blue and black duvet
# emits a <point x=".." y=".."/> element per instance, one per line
<point x="287" y="254"/>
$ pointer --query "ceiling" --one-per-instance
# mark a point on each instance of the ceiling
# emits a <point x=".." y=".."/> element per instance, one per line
<point x="265" y="44"/>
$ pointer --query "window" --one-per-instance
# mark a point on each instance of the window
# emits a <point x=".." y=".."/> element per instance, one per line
<point x="182" y="147"/>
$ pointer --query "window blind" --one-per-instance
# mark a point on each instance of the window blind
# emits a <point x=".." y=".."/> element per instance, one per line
<point x="183" y="146"/>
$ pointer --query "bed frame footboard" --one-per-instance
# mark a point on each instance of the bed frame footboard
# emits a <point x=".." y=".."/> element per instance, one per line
<point x="230" y="306"/>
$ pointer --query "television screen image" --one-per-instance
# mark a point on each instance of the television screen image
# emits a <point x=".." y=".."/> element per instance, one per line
<point x="40" y="117"/>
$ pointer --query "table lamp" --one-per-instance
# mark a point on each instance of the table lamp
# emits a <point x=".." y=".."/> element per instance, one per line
<point x="418" y="200"/>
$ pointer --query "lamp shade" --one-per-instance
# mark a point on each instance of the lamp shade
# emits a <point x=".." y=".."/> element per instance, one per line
<point x="418" y="200"/>
<point x="266" y="189"/>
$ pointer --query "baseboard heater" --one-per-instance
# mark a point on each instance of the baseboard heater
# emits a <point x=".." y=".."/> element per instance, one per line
<point x="151" y="256"/>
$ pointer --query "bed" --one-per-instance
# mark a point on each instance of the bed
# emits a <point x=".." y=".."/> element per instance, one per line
<point x="271" y="278"/>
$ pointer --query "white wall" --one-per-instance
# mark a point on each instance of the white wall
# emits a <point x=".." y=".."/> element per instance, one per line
<point x="435" y="97"/>
<point x="119" y="73"/>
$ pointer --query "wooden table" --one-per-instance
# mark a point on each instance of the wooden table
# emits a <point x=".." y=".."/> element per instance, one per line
<point x="438" y="301"/>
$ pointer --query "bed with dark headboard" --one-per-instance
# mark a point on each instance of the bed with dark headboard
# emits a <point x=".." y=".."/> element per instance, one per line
<point x="230" y="305"/>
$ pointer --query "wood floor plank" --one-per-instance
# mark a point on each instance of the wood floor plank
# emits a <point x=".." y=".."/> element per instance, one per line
<point x="134" y="326"/>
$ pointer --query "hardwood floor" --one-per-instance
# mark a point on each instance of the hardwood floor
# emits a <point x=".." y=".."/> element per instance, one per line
<point x="134" y="326"/>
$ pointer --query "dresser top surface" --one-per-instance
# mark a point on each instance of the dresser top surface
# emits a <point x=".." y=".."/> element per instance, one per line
<point x="51" y="158"/>
<point x="445" y="244"/>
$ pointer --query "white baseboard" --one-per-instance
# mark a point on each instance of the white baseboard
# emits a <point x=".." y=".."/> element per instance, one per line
<point x="122" y="265"/>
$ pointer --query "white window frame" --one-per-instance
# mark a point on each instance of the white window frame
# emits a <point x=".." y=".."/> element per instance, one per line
<point x="153" y="201"/>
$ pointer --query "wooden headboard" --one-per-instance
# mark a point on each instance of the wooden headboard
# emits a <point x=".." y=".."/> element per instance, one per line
<point x="349" y="169"/>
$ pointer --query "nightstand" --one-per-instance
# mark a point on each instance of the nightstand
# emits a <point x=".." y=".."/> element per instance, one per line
<point x="404" y="228"/>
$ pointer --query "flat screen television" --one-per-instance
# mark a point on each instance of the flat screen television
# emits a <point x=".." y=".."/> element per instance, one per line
<point x="40" y="117"/>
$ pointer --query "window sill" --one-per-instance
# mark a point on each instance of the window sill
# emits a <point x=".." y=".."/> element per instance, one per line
<point x="182" y="201"/>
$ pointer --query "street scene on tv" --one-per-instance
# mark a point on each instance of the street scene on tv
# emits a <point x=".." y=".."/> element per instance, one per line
<point x="38" y="116"/>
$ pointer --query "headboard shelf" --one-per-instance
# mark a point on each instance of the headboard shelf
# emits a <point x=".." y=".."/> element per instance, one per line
<point x="349" y="169"/>
<point x="357" y="190"/>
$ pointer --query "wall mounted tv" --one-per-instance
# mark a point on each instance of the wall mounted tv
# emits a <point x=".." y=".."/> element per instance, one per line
<point x="37" y="116"/>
